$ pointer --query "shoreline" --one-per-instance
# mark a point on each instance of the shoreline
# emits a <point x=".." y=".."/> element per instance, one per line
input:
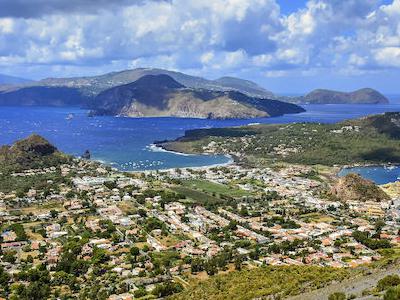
<point x="156" y="148"/>
<point x="229" y="163"/>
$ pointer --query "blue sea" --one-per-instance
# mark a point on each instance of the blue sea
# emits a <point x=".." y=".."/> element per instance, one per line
<point x="126" y="143"/>
<point x="377" y="174"/>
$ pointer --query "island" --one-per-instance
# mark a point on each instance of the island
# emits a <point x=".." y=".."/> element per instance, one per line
<point x="322" y="96"/>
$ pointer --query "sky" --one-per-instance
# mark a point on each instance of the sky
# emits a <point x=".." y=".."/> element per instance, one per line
<point x="286" y="46"/>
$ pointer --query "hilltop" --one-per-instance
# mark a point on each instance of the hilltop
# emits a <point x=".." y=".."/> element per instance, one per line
<point x="161" y="95"/>
<point x="30" y="153"/>
<point x="353" y="187"/>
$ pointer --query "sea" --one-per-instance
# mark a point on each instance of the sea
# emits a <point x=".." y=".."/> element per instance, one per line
<point x="127" y="143"/>
<point x="377" y="174"/>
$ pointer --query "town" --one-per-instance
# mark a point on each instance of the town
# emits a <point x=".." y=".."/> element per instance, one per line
<point x="92" y="232"/>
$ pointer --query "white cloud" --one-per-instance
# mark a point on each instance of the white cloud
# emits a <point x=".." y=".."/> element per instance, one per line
<point x="389" y="56"/>
<point x="217" y="37"/>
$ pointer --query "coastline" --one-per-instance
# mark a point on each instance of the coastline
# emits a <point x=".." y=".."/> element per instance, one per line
<point x="206" y="167"/>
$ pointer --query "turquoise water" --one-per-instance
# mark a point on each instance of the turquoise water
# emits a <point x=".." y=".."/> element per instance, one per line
<point x="126" y="142"/>
<point x="378" y="174"/>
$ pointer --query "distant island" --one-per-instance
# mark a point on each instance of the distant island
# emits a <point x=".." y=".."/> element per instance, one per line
<point x="225" y="97"/>
<point x="321" y="96"/>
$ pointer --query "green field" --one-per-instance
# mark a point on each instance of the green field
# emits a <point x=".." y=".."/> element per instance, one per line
<point x="197" y="196"/>
<point x="215" y="188"/>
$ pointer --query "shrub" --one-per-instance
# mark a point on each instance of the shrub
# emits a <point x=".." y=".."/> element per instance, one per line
<point x="337" y="296"/>
<point x="388" y="282"/>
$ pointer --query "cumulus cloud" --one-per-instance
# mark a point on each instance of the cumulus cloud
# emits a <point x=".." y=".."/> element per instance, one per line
<point x="206" y="37"/>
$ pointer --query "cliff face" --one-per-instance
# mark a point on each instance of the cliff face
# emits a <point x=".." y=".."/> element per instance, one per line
<point x="353" y="187"/>
<point x="161" y="95"/>
<point x="363" y="96"/>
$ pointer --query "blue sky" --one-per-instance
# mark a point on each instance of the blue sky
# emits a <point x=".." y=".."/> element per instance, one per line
<point x="287" y="46"/>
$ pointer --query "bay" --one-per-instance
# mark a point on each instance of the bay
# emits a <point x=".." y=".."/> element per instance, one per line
<point x="126" y="143"/>
<point x="377" y="174"/>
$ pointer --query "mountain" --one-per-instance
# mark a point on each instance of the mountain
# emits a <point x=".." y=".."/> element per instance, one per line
<point x="245" y="86"/>
<point x="161" y="95"/>
<point x="353" y="187"/>
<point x="43" y="96"/>
<point x="82" y="90"/>
<point x="96" y="84"/>
<point x="30" y="153"/>
<point x="6" y="79"/>
<point x="362" y="96"/>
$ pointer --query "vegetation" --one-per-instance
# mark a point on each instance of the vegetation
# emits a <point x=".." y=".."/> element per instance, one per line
<point x="373" y="140"/>
<point x="337" y="296"/>
<point x="372" y="243"/>
<point x="33" y="152"/>
<point x="262" y="282"/>
<point x="214" y="188"/>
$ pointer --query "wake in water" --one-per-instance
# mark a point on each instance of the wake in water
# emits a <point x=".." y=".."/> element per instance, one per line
<point x="155" y="148"/>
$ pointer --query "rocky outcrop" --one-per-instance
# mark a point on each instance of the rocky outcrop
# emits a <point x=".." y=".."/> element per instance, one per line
<point x="30" y="153"/>
<point x="353" y="187"/>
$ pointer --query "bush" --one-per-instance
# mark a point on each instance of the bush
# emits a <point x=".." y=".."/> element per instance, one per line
<point x="392" y="294"/>
<point x="337" y="296"/>
<point x="388" y="282"/>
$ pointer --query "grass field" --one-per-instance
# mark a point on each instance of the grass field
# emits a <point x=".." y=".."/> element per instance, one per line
<point x="197" y="196"/>
<point x="215" y="188"/>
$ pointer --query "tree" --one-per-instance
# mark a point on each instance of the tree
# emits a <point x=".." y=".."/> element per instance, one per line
<point x="19" y="231"/>
<point x="139" y="293"/>
<point x="9" y="257"/>
<point x="238" y="262"/>
<point x="99" y="256"/>
<point x="135" y="252"/>
<point x="53" y="213"/>
<point x="197" y="265"/>
<point x="210" y="267"/>
<point x="4" y="279"/>
<point x="166" y="289"/>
